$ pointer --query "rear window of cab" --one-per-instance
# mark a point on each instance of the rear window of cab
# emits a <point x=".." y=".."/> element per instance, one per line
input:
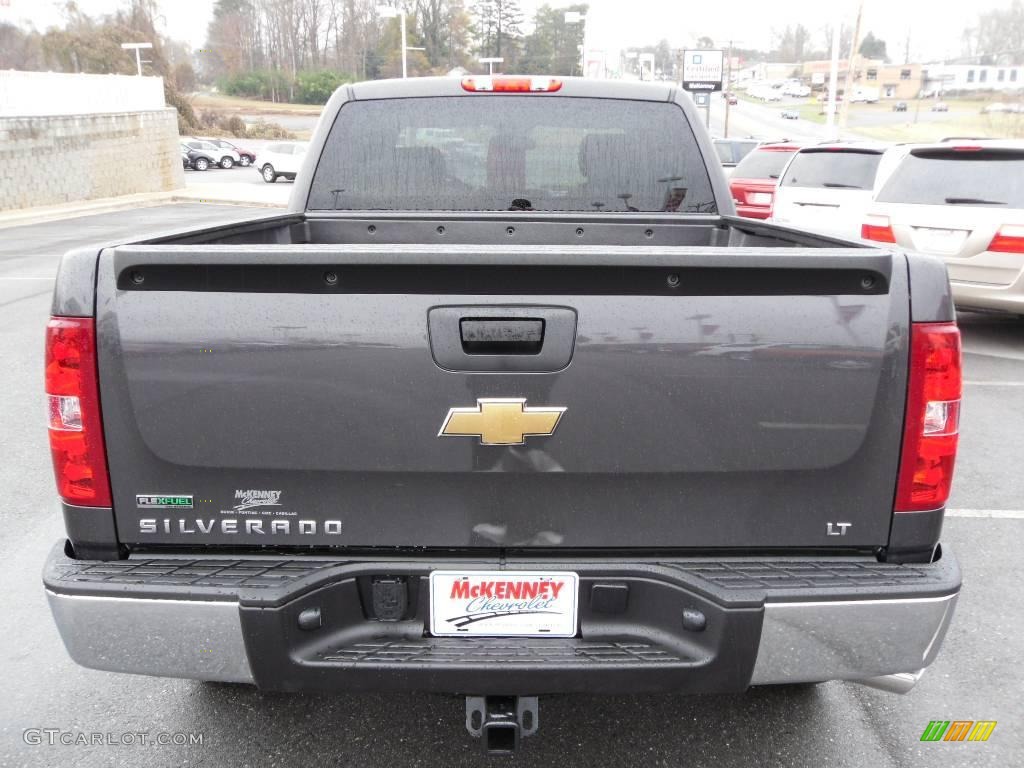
<point x="511" y="152"/>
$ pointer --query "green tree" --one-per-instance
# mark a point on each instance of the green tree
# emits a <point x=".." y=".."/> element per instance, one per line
<point x="794" y="44"/>
<point x="20" y="49"/>
<point x="317" y="87"/>
<point x="553" y="48"/>
<point x="389" y="50"/>
<point x="498" y="25"/>
<point x="872" y="47"/>
<point x="185" y="77"/>
<point x="998" y="37"/>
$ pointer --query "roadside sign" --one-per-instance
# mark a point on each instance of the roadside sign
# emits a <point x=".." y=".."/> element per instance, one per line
<point x="702" y="70"/>
<point x="817" y="78"/>
<point x="702" y="98"/>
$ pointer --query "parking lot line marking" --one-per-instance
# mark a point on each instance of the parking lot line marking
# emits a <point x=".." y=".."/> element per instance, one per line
<point x="994" y="383"/>
<point x="995" y="355"/>
<point x="1007" y="514"/>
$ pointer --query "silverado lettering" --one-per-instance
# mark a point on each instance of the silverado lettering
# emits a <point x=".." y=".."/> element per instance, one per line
<point x="233" y="526"/>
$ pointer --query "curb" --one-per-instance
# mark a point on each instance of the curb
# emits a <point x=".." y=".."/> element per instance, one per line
<point x="30" y="216"/>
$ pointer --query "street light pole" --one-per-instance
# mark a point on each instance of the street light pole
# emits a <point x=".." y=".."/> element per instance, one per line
<point x="137" y="47"/>
<point x="405" y="62"/>
<point x="490" y="61"/>
<point x="387" y="12"/>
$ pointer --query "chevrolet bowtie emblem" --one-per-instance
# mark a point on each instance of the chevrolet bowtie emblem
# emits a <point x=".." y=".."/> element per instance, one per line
<point x="500" y="421"/>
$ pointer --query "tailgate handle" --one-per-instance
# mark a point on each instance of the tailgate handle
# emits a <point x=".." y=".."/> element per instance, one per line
<point x="493" y="336"/>
<point x="502" y="338"/>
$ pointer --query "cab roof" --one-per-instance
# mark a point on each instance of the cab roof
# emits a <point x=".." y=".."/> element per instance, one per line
<point x="418" y="87"/>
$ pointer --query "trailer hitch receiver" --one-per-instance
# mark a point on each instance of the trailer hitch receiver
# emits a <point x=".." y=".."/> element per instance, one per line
<point x="501" y="721"/>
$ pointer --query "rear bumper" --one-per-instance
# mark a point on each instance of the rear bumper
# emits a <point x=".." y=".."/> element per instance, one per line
<point x="753" y="211"/>
<point x="1003" y="298"/>
<point x="767" y="621"/>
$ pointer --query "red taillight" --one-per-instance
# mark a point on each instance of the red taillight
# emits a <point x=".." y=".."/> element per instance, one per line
<point x="877" y="228"/>
<point x="1009" y="239"/>
<point x="932" y="421"/>
<point x="73" y="403"/>
<point x="502" y="84"/>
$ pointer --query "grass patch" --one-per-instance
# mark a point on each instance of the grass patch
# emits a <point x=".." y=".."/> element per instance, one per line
<point x="998" y="126"/>
<point x="812" y="111"/>
<point x="239" y="104"/>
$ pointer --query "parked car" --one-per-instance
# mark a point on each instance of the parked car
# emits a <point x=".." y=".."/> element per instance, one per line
<point x="964" y="203"/>
<point x="899" y="106"/>
<point x="499" y="469"/>
<point x="225" y="157"/>
<point x="995" y="107"/>
<point x="754" y="179"/>
<point x="940" y="106"/>
<point x="731" y="99"/>
<point x="828" y="187"/>
<point x="731" y="151"/>
<point x="282" y="159"/>
<point x="184" y="159"/>
<point x="790" y="114"/>
<point x="246" y="157"/>
<point x="198" y="158"/>
<point x="797" y="90"/>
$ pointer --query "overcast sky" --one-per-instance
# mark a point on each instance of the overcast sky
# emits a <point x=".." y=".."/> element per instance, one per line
<point x="614" y="24"/>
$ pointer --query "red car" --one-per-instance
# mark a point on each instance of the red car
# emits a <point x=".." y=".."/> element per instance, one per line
<point x="753" y="181"/>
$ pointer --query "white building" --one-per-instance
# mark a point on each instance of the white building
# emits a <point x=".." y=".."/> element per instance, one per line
<point x="940" y="78"/>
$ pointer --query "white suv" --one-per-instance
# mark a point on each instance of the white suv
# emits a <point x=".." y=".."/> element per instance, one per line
<point x="827" y="188"/>
<point x="281" y="159"/>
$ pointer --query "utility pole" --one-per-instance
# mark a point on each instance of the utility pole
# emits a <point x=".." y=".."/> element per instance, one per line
<point x="728" y="84"/>
<point x="833" y="78"/>
<point x="844" y="110"/>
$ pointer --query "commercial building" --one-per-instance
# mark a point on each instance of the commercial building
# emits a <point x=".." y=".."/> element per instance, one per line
<point x="893" y="81"/>
<point x="944" y="78"/>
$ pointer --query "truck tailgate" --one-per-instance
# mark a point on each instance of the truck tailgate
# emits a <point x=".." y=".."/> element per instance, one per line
<point x="294" y="396"/>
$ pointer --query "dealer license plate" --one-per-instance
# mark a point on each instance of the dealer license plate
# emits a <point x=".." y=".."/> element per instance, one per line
<point x="503" y="603"/>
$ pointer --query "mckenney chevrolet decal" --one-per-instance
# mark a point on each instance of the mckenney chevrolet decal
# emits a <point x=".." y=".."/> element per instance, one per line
<point x="251" y="499"/>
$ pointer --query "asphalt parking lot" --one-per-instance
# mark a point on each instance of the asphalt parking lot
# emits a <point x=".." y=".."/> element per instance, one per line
<point x="978" y="675"/>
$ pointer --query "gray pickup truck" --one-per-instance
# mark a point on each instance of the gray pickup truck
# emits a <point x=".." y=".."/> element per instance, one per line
<point x="508" y="403"/>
